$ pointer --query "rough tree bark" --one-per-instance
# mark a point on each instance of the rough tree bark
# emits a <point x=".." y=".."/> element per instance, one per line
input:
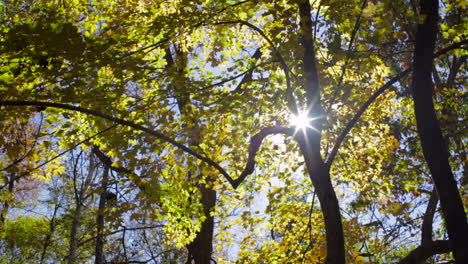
<point x="432" y="142"/>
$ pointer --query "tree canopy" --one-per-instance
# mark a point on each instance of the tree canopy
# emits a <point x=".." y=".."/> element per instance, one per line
<point x="146" y="131"/>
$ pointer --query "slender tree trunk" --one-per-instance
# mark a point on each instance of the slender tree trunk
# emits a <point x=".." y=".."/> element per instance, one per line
<point x="74" y="233"/>
<point x="432" y="142"/>
<point x="79" y="201"/>
<point x="428" y="247"/>
<point x="100" y="221"/>
<point x="50" y="234"/>
<point x="428" y="218"/>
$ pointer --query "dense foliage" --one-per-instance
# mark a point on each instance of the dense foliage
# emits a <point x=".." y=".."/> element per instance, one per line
<point x="144" y="131"/>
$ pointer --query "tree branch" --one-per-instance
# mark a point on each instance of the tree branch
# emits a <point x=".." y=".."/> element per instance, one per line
<point x="425" y="251"/>
<point x="248" y="75"/>
<point x="125" y="123"/>
<point x="379" y="91"/>
<point x="359" y="113"/>
<point x="255" y="143"/>
<point x="428" y="218"/>
<point x="290" y="92"/>
<point x="344" y="67"/>
<point x="58" y="155"/>
<point x="108" y="162"/>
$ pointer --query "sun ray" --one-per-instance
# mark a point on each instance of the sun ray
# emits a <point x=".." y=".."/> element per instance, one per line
<point x="302" y="121"/>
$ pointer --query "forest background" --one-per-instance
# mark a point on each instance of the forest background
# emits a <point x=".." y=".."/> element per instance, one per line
<point x="145" y="131"/>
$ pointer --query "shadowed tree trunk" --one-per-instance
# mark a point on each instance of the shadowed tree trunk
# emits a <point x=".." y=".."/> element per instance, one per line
<point x="201" y="247"/>
<point x="432" y="142"/>
<point x="310" y="139"/>
<point x="100" y="221"/>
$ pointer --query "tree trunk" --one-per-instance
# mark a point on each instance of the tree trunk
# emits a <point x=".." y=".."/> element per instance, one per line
<point x="100" y="221"/>
<point x="310" y="141"/>
<point x="50" y="234"/>
<point x="201" y="248"/>
<point x="320" y="176"/>
<point x="432" y="142"/>
<point x="73" y="234"/>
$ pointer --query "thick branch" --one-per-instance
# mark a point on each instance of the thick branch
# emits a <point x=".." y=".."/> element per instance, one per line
<point x="428" y="218"/>
<point x="425" y="251"/>
<point x="255" y="143"/>
<point x="125" y="123"/>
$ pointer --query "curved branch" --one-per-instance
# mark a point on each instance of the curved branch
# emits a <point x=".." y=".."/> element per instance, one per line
<point x="359" y="113"/>
<point x="425" y="251"/>
<point x="125" y="123"/>
<point x="379" y="91"/>
<point x="255" y="143"/>
<point x="428" y="218"/>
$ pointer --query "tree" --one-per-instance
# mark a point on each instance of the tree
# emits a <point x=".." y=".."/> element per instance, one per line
<point x="433" y="145"/>
<point x="187" y="106"/>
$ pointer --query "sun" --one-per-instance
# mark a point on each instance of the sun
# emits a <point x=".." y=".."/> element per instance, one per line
<point x="301" y="121"/>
